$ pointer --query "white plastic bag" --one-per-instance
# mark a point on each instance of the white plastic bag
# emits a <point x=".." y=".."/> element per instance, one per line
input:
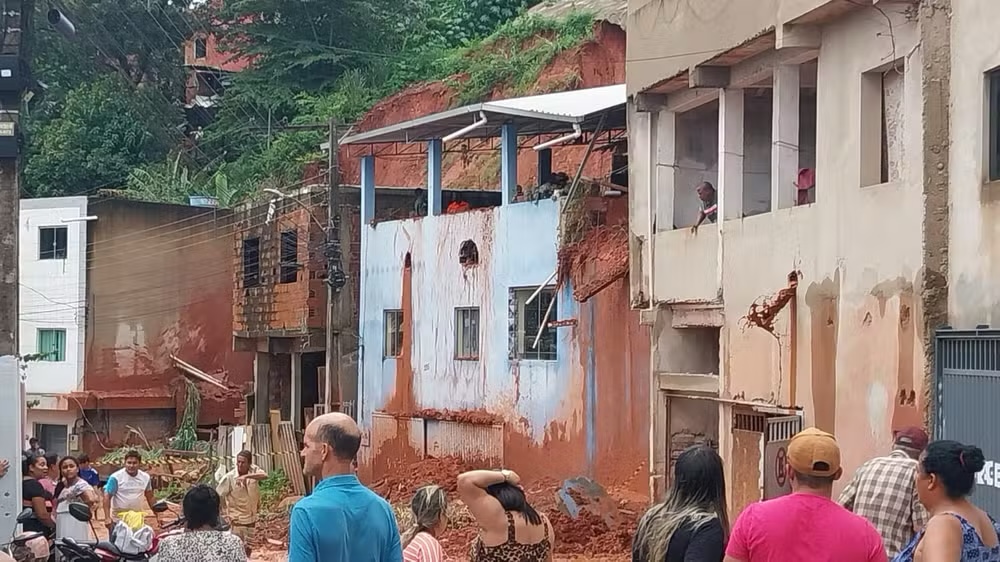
<point x="132" y="542"/>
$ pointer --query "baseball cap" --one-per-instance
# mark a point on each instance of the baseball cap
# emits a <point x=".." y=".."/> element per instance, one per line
<point x="814" y="453"/>
<point x="912" y="437"/>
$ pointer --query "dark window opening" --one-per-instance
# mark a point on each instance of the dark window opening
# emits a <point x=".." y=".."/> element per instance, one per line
<point x="994" y="123"/>
<point x="541" y="311"/>
<point x="289" y="257"/>
<point x="200" y="48"/>
<point x="52" y="243"/>
<point x="468" y="253"/>
<point x="251" y="262"/>
<point x="407" y="263"/>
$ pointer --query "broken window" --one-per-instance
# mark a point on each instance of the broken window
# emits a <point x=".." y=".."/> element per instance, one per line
<point x="289" y="257"/>
<point x="200" y="48"/>
<point x="882" y="124"/>
<point x="529" y="317"/>
<point x="52" y="243"/>
<point x="52" y="345"/>
<point x="993" y="109"/>
<point x="392" y="345"/>
<point x="467" y="333"/>
<point x="468" y="253"/>
<point x="251" y="262"/>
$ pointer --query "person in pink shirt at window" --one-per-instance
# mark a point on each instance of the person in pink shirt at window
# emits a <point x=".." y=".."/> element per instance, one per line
<point x="806" y="524"/>
<point x="420" y="542"/>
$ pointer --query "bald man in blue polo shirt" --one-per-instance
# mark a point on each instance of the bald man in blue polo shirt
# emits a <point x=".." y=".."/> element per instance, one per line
<point x="342" y="520"/>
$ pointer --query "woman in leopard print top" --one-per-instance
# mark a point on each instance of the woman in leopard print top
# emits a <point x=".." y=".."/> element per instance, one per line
<point x="510" y="530"/>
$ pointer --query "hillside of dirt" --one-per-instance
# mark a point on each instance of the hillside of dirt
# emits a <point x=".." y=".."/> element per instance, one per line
<point x="599" y="61"/>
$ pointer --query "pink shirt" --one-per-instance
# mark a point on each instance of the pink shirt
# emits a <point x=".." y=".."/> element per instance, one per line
<point x="803" y="527"/>
<point x="423" y="548"/>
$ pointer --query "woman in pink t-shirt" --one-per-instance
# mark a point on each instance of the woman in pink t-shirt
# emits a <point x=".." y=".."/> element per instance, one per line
<point x="420" y="542"/>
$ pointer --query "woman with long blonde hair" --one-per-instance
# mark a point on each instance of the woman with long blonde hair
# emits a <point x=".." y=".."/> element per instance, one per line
<point x="691" y="525"/>
<point x="420" y="541"/>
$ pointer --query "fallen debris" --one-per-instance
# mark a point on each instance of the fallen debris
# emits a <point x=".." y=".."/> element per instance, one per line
<point x="765" y="309"/>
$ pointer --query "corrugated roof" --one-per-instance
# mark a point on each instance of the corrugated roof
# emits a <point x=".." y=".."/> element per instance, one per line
<point x="542" y="114"/>
<point x="612" y="11"/>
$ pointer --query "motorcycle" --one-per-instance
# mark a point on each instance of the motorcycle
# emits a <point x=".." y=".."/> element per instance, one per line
<point x="28" y="547"/>
<point x="72" y="550"/>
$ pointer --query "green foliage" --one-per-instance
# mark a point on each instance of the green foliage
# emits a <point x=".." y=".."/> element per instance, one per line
<point x="273" y="489"/>
<point x="173" y="182"/>
<point x="173" y="492"/>
<point x="101" y="132"/>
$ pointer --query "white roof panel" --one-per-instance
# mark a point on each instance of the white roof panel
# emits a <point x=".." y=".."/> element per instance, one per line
<point x="575" y="103"/>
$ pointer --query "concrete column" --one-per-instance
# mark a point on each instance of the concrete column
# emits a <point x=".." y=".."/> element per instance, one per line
<point x="730" y="188"/>
<point x="664" y="154"/>
<point x="785" y="136"/>
<point x="12" y="412"/>
<point x="544" y="165"/>
<point x="367" y="189"/>
<point x="435" y="156"/>
<point x="297" y="390"/>
<point x="508" y="162"/>
<point x="261" y="387"/>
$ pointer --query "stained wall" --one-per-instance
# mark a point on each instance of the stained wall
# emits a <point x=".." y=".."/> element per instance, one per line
<point x="582" y="414"/>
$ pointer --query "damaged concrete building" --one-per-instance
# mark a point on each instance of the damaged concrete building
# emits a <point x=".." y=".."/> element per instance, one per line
<point x="280" y="250"/>
<point x="820" y="291"/>
<point x="502" y="334"/>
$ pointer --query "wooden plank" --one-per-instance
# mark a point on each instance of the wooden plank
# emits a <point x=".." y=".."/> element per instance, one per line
<point x="287" y="452"/>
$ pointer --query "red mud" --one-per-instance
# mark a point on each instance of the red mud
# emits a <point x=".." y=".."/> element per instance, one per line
<point x="478" y="416"/>
<point x="596" y="261"/>
<point x="588" y="534"/>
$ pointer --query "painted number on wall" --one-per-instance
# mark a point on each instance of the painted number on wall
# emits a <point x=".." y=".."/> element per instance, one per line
<point x="779" y="467"/>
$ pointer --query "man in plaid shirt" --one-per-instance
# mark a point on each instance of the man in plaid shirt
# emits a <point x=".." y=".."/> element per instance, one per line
<point x="883" y="491"/>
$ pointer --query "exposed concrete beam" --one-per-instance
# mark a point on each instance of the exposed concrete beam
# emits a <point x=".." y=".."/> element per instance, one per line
<point x="761" y="67"/>
<point x="650" y="103"/>
<point x="689" y="382"/>
<point x="790" y="36"/>
<point x="686" y="100"/>
<point x="708" y="77"/>
<point x="697" y="317"/>
<point x="730" y="188"/>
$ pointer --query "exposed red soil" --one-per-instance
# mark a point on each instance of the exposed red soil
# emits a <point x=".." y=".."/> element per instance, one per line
<point x="598" y="62"/>
<point x="400" y="485"/>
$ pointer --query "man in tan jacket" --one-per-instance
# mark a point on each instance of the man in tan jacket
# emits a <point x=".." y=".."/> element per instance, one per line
<point x="240" y="494"/>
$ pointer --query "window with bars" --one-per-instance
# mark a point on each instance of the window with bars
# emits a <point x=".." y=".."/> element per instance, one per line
<point x="52" y="243"/>
<point x="251" y="262"/>
<point x="52" y="345"/>
<point x="529" y="317"/>
<point x="289" y="257"/>
<point x="467" y="333"/>
<point x="392" y="344"/>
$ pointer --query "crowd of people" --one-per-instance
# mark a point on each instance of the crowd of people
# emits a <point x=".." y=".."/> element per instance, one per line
<point x="909" y="505"/>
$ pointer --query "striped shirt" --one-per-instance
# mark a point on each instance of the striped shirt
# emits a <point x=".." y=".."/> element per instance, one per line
<point x="883" y="492"/>
<point x="423" y="548"/>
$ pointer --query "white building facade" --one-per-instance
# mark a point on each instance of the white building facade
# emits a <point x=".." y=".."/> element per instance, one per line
<point x="53" y="274"/>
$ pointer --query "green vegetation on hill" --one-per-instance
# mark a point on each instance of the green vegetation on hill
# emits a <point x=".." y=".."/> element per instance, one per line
<point x="111" y="121"/>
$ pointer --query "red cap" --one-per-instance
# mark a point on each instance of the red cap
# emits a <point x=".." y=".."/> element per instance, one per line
<point x="912" y="437"/>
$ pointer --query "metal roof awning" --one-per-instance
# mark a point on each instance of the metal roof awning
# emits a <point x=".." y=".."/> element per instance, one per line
<point x="533" y="115"/>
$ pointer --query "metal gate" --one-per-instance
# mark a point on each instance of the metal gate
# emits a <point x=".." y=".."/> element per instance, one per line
<point x="967" y="367"/>
<point x="780" y="430"/>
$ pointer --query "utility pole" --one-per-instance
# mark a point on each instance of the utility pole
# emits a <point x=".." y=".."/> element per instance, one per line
<point x="14" y="77"/>
<point x="335" y="279"/>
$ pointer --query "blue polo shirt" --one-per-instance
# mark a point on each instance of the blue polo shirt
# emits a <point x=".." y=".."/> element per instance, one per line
<point x="343" y="521"/>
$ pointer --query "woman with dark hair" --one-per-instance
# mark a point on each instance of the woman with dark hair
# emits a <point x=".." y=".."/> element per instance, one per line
<point x="72" y="488"/>
<point x="957" y="531"/>
<point x="202" y="541"/>
<point x="33" y="495"/>
<point x="692" y="523"/>
<point x="509" y="528"/>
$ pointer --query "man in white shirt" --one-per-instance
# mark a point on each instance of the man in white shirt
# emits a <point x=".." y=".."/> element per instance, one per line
<point x="129" y="489"/>
<point x="241" y="495"/>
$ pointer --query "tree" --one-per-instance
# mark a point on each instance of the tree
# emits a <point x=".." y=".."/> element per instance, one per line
<point x="102" y="131"/>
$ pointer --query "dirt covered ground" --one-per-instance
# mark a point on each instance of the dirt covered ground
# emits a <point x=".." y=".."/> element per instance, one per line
<point x="588" y="537"/>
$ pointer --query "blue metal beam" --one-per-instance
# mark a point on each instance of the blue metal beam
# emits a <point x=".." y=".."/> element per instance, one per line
<point x="435" y="152"/>
<point x="367" y="189"/>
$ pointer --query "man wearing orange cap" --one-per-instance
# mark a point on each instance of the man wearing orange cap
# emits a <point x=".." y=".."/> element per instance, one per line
<point x="884" y="492"/>
<point x="806" y="524"/>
